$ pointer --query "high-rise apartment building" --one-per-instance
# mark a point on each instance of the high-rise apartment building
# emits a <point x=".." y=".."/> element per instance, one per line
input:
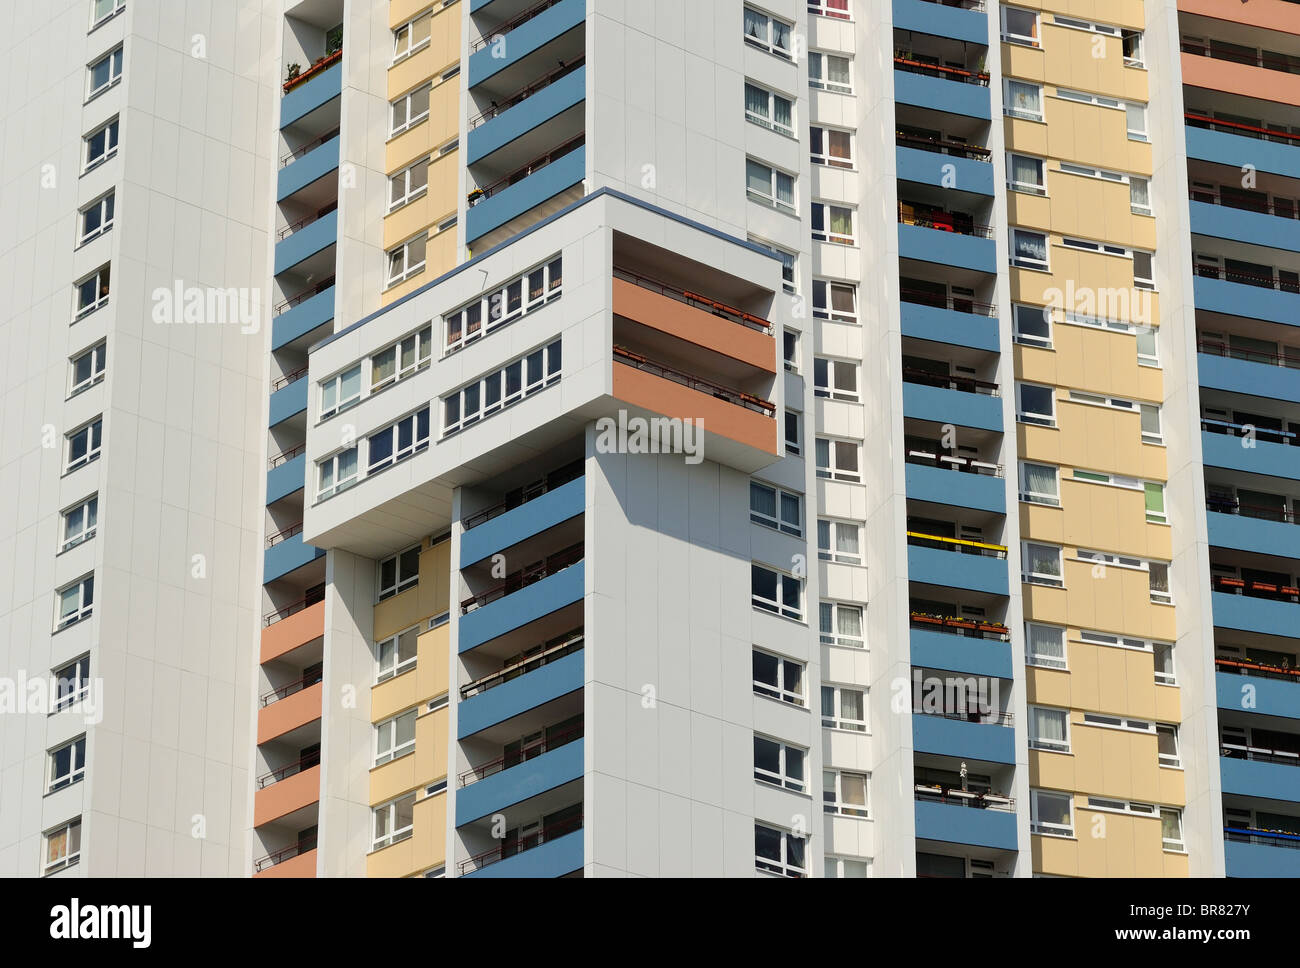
<point x="664" y="410"/>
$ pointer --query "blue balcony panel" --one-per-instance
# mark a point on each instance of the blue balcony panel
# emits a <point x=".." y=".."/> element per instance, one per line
<point x="306" y="242"/>
<point x="955" y="570"/>
<point x="969" y="741"/>
<point x="288" y="401"/>
<point x="297" y="322"/>
<point x="301" y="172"/>
<point x="1252" y="302"/>
<point x="1265" y="457"/>
<point x="931" y="18"/>
<point x="961" y="653"/>
<point x="534" y="517"/>
<point x="952" y="406"/>
<point x="1237" y="225"/>
<point x="528" y="114"/>
<point x="526" y="38"/>
<point x="551" y="859"/>
<point x="1244" y="376"/>
<point x="519" y="608"/>
<point x="1237" y="150"/>
<point x="949" y="326"/>
<point x="307" y="97"/>
<point x="960" y="489"/>
<point x="1255" y="694"/>
<point x="1255" y="614"/>
<point x="952" y="824"/>
<point x="938" y="94"/>
<point x="944" y="171"/>
<point x="1263" y="537"/>
<point x="282" y="558"/>
<point x="947" y="248"/>
<point x="1251" y="778"/>
<point x="1260" y="860"/>
<point x="540" y="186"/>
<point x="520" y="782"/>
<point x="286" y="479"/>
<point x="519" y="695"/>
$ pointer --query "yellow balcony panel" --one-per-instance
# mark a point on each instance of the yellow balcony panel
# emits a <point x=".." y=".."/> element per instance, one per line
<point x="444" y="28"/>
<point x="426" y="212"/>
<point x="1029" y="137"/>
<point x="1083" y="207"/>
<point x="1122" y="13"/>
<point x="1151" y="383"/>
<point x="430" y="596"/>
<point x="1042" y="522"/>
<point x="1113" y="518"/>
<point x="393" y="695"/>
<point x="1096" y="360"/>
<point x="1094" y="437"/>
<point x="1172" y="786"/>
<point x="431" y="746"/>
<point x="1058" y="856"/>
<point x="426" y="848"/>
<point x="1087" y="284"/>
<point x="1089" y="134"/>
<point x="440" y="256"/>
<point x="411" y="71"/>
<point x="1114" y="762"/>
<point x="1105" y="679"/>
<point x="404" y="11"/>
<point x="407" y="221"/>
<point x="1169" y="705"/>
<point x="1048" y="687"/>
<point x="441" y="126"/>
<point x="1118" y="845"/>
<point x="1086" y="61"/>
<point x="432" y="662"/>
<point x="1114" y="599"/>
<point x="394" y="778"/>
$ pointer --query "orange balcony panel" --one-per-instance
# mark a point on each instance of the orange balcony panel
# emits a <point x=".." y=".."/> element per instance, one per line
<point x="1269" y="14"/>
<point x="289" y="713"/>
<point x="658" y="395"/>
<point x="289" y="633"/>
<point x="694" y="325"/>
<point x="1258" y="82"/>
<point x="283" y="798"/>
<point x="302" y="865"/>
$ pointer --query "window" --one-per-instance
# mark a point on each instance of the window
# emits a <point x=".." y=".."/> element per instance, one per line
<point x="769" y="109"/>
<point x="92" y="292"/>
<point x="399" y="572"/>
<point x="396" y="654"/>
<point x="88" y="368"/>
<point x="1083" y="97"/>
<point x="67" y="764"/>
<point x="341" y="391"/>
<point x="101" y="145"/>
<point x="96" y="218"/>
<point x="407" y="259"/>
<point x="104" y="73"/>
<point x="1029" y="249"/>
<point x="1044" y="646"/>
<point x="792" y="434"/>
<point x="768" y="33"/>
<point x="1049" y="729"/>
<point x="839" y="541"/>
<point x="1171" y="828"/>
<point x="504" y="303"/>
<point x="837" y="301"/>
<point x="838" y="9"/>
<point x="1036" y="405"/>
<point x="1051" y="813"/>
<point x="336" y="473"/>
<point x="778" y="678"/>
<point x="837" y="460"/>
<point x="1167" y="745"/>
<point x="836" y="379"/>
<point x="1151" y="424"/>
<point x="1137" y="121"/>
<point x="1033" y="325"/>
<point x="75" y="602"/>
<point x="775" y="508"/>
<point x="411" y="36"/>
<point x="409" y="183"/>
<point x="779" y="764"/>
<point x="1155" y="502"/>
<point x="844" y="708"/>
<point x="843" y="867"/>
<point x="1020" y="26"/>
<point x="841" y="625"/>
<point x="1026" y="174"/>
<point x="62" y="846"/>
<point x="832" y="223"/>
<point x="1117" y="722"/>
<point x="1022" y="99"/>
<point x="84" y="444"/>
<point x="1143" y="274"/>
<point x="790" y="350"/>
<point x="410" y="109"/>
<point x="1139" y="195"/>
<point x="789" y="264"/>
<point x="844" y="794"/>
<point x="403" y="439"/>
<point x="101" y="10"/>
<point x="395" y="737"/>
<point x="831" y="148"/>
<point x="1042" y="565"/>
<point x="830" y="72"/>
<point x="79" y="522"/>
<point x="1132" y="41"/>
<point x="516" y="380"/>
<point x="778" y="851"/>
<point x="775" y="592"/>
<point x="71" y="683"/>
<point x="394" y="821"/>
<point x="765" y="184"/>
<point x="1159" y="582"/>
<point x="1039" y="484"/>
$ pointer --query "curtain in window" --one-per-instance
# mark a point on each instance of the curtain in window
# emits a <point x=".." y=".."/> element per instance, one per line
<point x="1026" y="171"/>
<point x="1031" y="246"/>
<point x="842" y="299"/>
<point x="1049" y="725"/>
<point x="826" y="611"/>
<point x="1040" y="479"/>
<point x="851" y="705"/>
<point x="382" y="367"/>
<point x="755" y="101"/>
<point x="1137" y="118"/>
<point x="784" y="189"/>
<point x="762" y="500"/>
<point x="755" y="25"/>
<point x="1044" y="561"/>
<point x="853" y="789"/>
<point x="1139" y="190"/>
<point x="1171" y="827"/>
<point x="790" y="509"/>
<point x="1150" y="419"/>
<point x="1046" y="642"/>
<point x="1159" y="577"/>
<point x="782" y="113"/>
<point x="1023" y="97"/>
<point x="780" y="35"/>
<point x="841" y="222"/>
<point x="837" y="144"/>
<point x="837" y="70"/>
<point x="846" y="541"/>
<point x="850" y="621"/>
<point x="758" y="178"/>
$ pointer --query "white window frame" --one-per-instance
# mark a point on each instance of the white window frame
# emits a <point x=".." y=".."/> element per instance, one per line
<point x="829" y="388"/>
<point x="1172" y="760"/>
<point x="1153" y="358"/>
<point x="1161" y="597"/>
<point x="550" y="370"/>
<point x="1049" y="745"/>
<point x="70" y="830"/>
<point x="388" y="811"/>
<point x="1033" y="339"/>
<point x="1169" y="678"/>
<point x="117" y="7"/>
<point x="1042" y="578"/>
<point x="833" y="161"/>
<point x="822" y="8"/>
<point x="789" y="263"/>
<point x="790" y="342"/>
<point x="89" y="522"/>
<point x="112" y="132"/>
<point x="786" y="754"/>
<point x="1023" y="40"/>
<point x="835" y="718"/>
<point x="785" y="865"/>
<point x="94" y="431"/>
<point x="401" y="53"/>
<point x="406" y="101"/>
<point x="1143" y="282"/>
<point x="1028" y="262"/>
<point x="403" y="179"/>
<point x="417" y="345"/>
<point x="98" y="365"/>
<point x="395" y="665"/>
<point x="829" y="551"/>
<point x="115" y="59"/>
<point x="831" y="470"/>
<point x="794" y="447"/>
<point x="79" y="686"/>
<point x="1041" y="660"/>
<point x="1021" y="113"/>
<point x="1179" y="845"/>
<point x="331" y="464"/>
<point x="1156" y="437"/>
<point x="784" y="582"/>
<point x="821" y="82"/>
<point x="836" y="867"/>
<point x="827" y="310"/>
<point x="1026" y="188"/>
<point x="102" y="278"/>
<point x="106" y="205"/>
<point x="1044" y="828"/>
<point x="401" y="581"/>
<point x="386" y="748"/>
<point x="833" y="637"/>
<point x="409" y="269"/>
<point x="779" y="522"/>
<point x="767" y="42"/>
<point x="1134" y="207"/>
<point x="502" y="304"/>
<point x="769" y="121"/>
<point x="1040" y="497"/>
<point x="1035" y="417"/>
<point x="334" y="385"/>
<point x="76" y="764"/>
<point x="771" y="199"/>
<point x="825" y="234"/>
<point x="837" y="805"/>
<point x="420" y="439"/>
<point x="779" y="690"/>
<point x="83" y="590"/>
<point x="1136" y="134"/>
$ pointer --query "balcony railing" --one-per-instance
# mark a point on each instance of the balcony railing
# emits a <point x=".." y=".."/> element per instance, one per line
<point x="947" y="462"/>
<point x="321" y="65"/>
<point x="301" y="297"/>
<point x="306" y="220"/>
<point x="529" y="492"/>
<point x="979" y="800"/>
<point x="1257" y="835"/>
<point x="972" y="714"/>
<point x="737" y="397"/>
<point x="1255" y="58"/>
<point x="954" y="222"/>
<point x="546" y="80"/>
<point x="274" y="539"/>
<point x="961" y="304"/>
<point x="285" y="456"/>
<point x="1255" y="589"/>
<point x="554" y="832"/>
<point x="284" y="381"/>
<point x="971" y="628"/>
<point x="1242" y="430"/>
<point x="956" y="545"/>
<point x="1246" y="277"/>
<point x="958" y="149"/>
<point x="905" y="62"/>
<point x="288" y="770"/>
<point x="1245" y="130"/>
<point x="313" y="595"/>
<point x="289" y="688"/>
<point x="304" y="846"/>
<point x="511" y="24"/>
<point x="948" y="382"/>
<point x="1228" y="198"/>
<point x="708" y="305"/>
<point x="1217" y="348"/>
<point x="554" y="650"/>
<point x="524" y="577"/>
<point x="1259" y="754"/>
<point x="1227" y="504"/>
<point x="309" y="146"/>
<point x="519" y="174"/>
<point x="506" y="760"/>
<point x="1258" y="669"/>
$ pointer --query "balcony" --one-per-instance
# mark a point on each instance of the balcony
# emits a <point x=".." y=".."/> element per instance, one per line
<point x="296" y="860"/>
<point x="929" y="234"/>
<point x="1221" y="446"/>
<point x="511" y="527"/>
<point x="1236" y="144"/>
<point x="295" y="630"/>
<point x="1251" y="852"/>
<point x="288" y="397"/>
<point x="303" y="313"/>
<point x="1253" y="606"/>
<point x="286" y="474"/>
<point x="551" y="852"/>
<point x="1254" y="772"/>
<point x="955" y="481"/>
<point x="510" y="779"/>
<point x="961" y="817"/>
<point x="1223" y="220"/>
<point x="1234" y="292"/>
<point x="306" y="237"/>
<point x="308" y="164"/>
<point x="1259" y="76"/>
<point x="988" y="739"/>
<point x="928" y="161"/>
<point x="523" y="597"/>
<point x="289" y="707"/>
<point x="542" y="101"/>
<point x="523" y="34"/>
<point x="948" y="89"/>
<point x="958" y="19"/>
<point x="1245" y="527"/>
<point x="555" y="671"/>
<point x="526" y="188"/>
<point x="1273" y="690"/>
<point x="312" y="88"/>
<point x="287" y="790"/>
<point x="960" y="645"/>
<point x="963" y="401"/>
<point x="956" y="320"/>
<point x="1254" y="373"/>
<point x="287" y="555"/>
<point x="957" y="563"/>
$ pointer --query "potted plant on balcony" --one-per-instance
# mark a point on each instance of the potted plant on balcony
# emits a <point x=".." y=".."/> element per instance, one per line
<point x="958" y="622"/>
<point x="294" y="71"/>
<point x="925" y="618"/>
<point x="474" y="197"/>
